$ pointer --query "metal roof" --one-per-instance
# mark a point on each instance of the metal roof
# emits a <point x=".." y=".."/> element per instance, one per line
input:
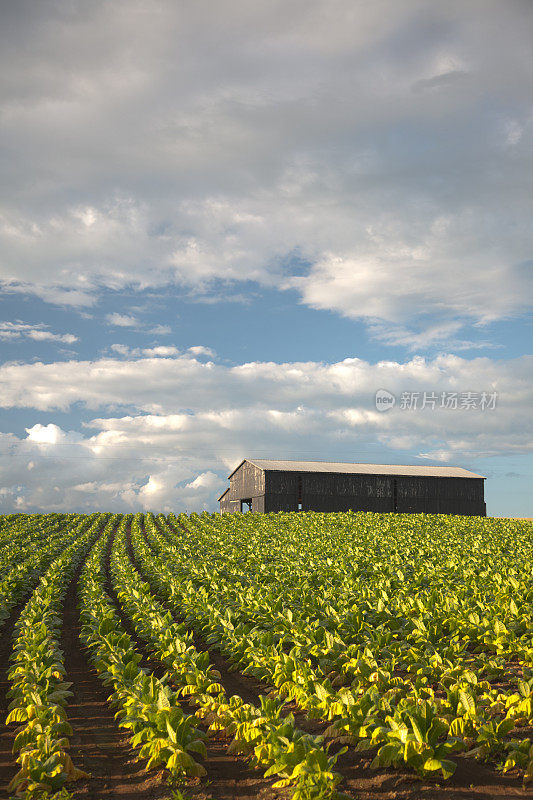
<point x="360" y="469"/>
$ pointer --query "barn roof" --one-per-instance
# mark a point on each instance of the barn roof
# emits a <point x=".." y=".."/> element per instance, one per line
<point x="223" y="494"/>
<point x="359" y="469"/>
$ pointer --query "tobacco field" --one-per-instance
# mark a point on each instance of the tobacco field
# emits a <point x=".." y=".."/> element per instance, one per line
<point x="305" y="655"/>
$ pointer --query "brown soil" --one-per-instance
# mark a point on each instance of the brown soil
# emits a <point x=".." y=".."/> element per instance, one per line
<point x="473" y="780"/>
<point x="8" y="766"/>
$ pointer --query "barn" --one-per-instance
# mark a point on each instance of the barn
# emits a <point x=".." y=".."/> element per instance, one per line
<point x="263" y="485"/>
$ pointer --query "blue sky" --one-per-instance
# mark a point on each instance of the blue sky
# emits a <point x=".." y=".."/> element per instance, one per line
<point x="220" y="238"/>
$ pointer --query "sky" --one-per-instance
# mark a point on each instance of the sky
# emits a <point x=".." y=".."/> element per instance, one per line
<point x="224" y="227"/>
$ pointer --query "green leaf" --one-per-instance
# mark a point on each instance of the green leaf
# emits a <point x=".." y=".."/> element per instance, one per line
<point x="387" y="755"/>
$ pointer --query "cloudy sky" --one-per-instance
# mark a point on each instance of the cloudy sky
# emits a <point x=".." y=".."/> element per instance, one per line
<point x="225" y="226"/>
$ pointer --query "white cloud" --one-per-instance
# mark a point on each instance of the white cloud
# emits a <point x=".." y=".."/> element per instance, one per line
<point x="162" y="384"/>
<point x="444" y="334"/>
<point x="176" y="443"/>
<point x="384" y="146"/>
<point x="437" y="455"/>
<point x="434" y="279"/>
<point x="121" y="349"/>
<point x="21" y="330"/>
<point x="200" y="350"/>
<point x="122" y="320"/>
<point x="160" y="351"/>
<point x="45" y="434"/>
<point x="161" y="330"/>
<point x="51" y="434"/>
<point x="47" y="336"/>
<point x="206" y="480"/>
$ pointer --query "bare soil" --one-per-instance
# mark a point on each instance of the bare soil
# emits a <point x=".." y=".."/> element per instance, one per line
<point x="8" y="767"/>
<point x="473" y="780"/>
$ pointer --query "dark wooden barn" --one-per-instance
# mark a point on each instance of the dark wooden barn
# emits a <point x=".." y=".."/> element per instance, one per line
<point x="261" y="485"/>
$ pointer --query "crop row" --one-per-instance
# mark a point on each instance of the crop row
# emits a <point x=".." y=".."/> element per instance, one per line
<point x="147" y="706"/>
<point x="39" y="690"/>
<point x="31" y="544"/>
<point x="271" y="739"/>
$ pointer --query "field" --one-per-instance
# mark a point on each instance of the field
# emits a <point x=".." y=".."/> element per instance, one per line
<point x="301" y="656"/>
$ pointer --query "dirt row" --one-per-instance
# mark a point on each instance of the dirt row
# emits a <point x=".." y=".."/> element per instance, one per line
<point x="8" y="767"/>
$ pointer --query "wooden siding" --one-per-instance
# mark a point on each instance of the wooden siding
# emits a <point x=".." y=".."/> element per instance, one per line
<point x="247" y="482"/>
<point x="258" y="504"/>
<point x="344" y="492"/>
<point x="278" y="490"/>
<point x="229" y="506"/>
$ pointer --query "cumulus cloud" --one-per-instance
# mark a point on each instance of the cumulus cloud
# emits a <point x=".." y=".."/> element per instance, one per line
<point x="200" y="350"/>
<point x="161" y="330"/>
<point x="205" y="479"/>
<point x="442" y="334"/>
<point x="161" y="351"/>
<point x="10" y="331"/>
<point x="381" y="148"/>
<point x="122" y="320"/>
<point x="185" y="423"/>
<point x="45" y="434"/>
<point x="370" y="159"/>
<point x="161" y="384"/>
<point x="53" y="469"/>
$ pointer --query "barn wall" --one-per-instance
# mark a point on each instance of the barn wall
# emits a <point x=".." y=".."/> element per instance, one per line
<point x="229" y="506"/>
<point x="281" y="491"/>
<point x="327" y="491"/>
<point x="322" y="491"/>
<point x="416" y="494"/>
<point x="248" y="481"/>
<point x="258" y="504"/>
<point x="280" y="502"/>
<point x="461" y="496"/>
